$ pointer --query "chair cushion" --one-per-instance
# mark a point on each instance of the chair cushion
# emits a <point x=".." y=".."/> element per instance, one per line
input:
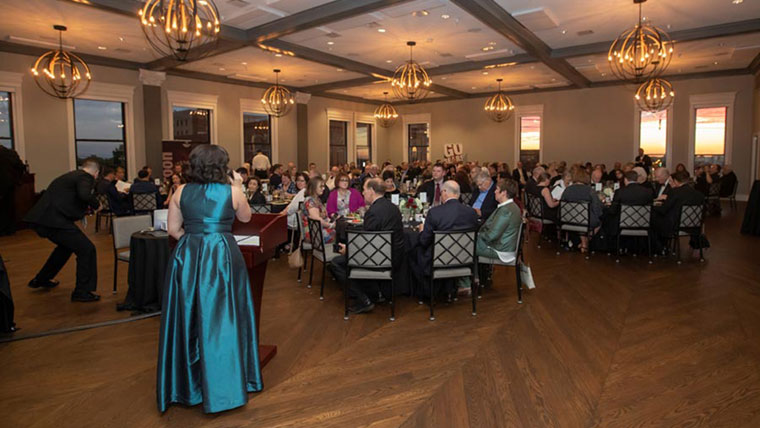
<point x="545" y="221"/>
<point x="370" y="274"/>
<point x="451" y="272"/>
<point x="489" y="261"/>
<point x="306" y="246"/>
<point x="572" y="228"/>
<point x="627" y="232"/>
<point x="329" y="254"/>
<point x="124" y="255"/>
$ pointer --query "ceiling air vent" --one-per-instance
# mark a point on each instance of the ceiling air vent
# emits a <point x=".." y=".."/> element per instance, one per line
<point x="585" y="32"/>
<point x="537" y="19"/>
<point x="238" y="3"/>
<point x="444" y="54"/>
<point x="332" y="35"/>
<point x="373" y="24"/>
<point x="474" y="30"/>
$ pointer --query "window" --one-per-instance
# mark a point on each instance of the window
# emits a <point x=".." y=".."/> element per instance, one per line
<point x="192" y="124"/>
<point x="419" y="141"/>
<point x="256" y="135"/>
<point x="6" y="120"/>
<point x="338" y="142"/>
<point x="653" y="136"/>
<point x="710" y="135"/>
<point x="363" y="143"/>
<point x="530" y="141"/>
<point x="99" y="132"/>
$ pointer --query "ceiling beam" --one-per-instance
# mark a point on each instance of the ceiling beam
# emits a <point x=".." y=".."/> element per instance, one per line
<point x="36" y="51"/>
<point x="122" y="7"/>
<point x="342" y="84"/>
<point x="689" y="35"/>
<point x="461" y="67"/>
<point x="334" y="11"/>
<point x="345" y="97"/>
<point x="498" y="19"/>
<point x="222" y="46"/>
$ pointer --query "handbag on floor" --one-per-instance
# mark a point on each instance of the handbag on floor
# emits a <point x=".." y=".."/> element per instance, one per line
<point x="295" y="258"/>
<point x="526" y="276"/>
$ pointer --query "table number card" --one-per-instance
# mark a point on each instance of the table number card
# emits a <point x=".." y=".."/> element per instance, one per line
<point x="423" y="197"/>
<point x="395" y="199"/>
<point x="598" y="187"/>
<point x="616" y="186"/>
<point x="264" y="187"/>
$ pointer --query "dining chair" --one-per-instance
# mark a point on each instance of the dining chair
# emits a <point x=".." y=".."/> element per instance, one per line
<point x="143" y="203"/>
<point x="261" y="208"/>
<point x="123" y="228"/>
<point x="319" y="252"/>
<point x="304" y="246"/>
<point x="690" y="223"/>
<point x="635" y="220"/>
<point x="574" y="217"/>
<point x="511" y="259"/>
<point x="454" y="257"/>
<point x="535" y="209"/>
<point x="370" y="257"/>
<point x="103" y="213"/>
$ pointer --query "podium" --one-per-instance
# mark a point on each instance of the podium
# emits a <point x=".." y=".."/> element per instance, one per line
<point x="272" y="231"/>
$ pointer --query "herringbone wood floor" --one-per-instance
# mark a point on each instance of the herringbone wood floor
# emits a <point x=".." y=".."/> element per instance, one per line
<point x="597" y="344"/>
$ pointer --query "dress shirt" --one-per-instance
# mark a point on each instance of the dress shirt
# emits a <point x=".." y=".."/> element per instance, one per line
<point x="260" y="162"/>
<point x="662" y="188"/>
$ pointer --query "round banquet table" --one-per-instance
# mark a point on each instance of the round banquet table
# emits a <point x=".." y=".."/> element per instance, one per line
<point x="278" y="206"/>
<point x="148" y="257"/>
<point x="751" y="223"/>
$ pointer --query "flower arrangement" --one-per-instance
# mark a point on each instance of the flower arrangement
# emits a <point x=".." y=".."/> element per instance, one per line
<point x="608" y="191"/>
<point x="414" y="205"/>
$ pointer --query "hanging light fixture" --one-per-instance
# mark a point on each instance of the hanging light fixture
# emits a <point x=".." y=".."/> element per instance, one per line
<point x="60" y="73"/>
<point x="174" y="27"/>
<point x="386" y="114"/>
<point x="640" y="53"/>
<point x="277" y="100"/>
<point x="499" y="107"/>
<point x="655" y="95"/>
<point x="411" y="81"/>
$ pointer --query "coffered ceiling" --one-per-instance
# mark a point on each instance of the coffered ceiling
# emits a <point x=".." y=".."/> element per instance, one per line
<point x="348" y="48"/>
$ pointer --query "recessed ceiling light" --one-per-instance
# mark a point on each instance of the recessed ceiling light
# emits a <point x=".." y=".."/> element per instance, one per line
<point x="491" y="43"/>
<point x="121" y="38"/>
<point x="474" y="87"/>
<point x="278" y="55"/>
<point x="330" y="43"/>
<point x="487" y="48"/>
<point x="338" y="69"/>
<point x="737" y="1"/>
<point x="420" y="13"/>
<point x="564" y="31"/>
<point x="244" y="63"/>
<point x="554" y="80"/>
<point x="443" y="78"/>
<point x="445" y="16"/>
<point x="221" y="68"/>
<point x="715" y="63"/>
<point x="389" y="61"/>
<point x="102" y="48"/>
<point x="381" y="30"/>
<point x="485" y="73"/>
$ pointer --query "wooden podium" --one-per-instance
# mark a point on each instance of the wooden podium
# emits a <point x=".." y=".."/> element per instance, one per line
<point x="272" y="231"/>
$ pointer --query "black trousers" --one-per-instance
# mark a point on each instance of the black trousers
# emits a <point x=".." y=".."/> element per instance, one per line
<point x="7" y="212"/>
<point x="70" y="241"/>
<point x="358" y="290"/>
<point x="261" y="173"/>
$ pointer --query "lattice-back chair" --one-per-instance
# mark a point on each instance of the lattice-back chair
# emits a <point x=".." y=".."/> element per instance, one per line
<point x="535" y="209"/>
<point x="454" y="257"/>
<point x="466" y="198"/>
<point x="105" y="213"/>
<point x="712" y="201"/>
<point x="320" y="252"/>
<point x="514" y="259"/>
<point x="574" y="217"/>
<point x="304" y="245"/>
<point x="691" y="219"/>
<point x="123" y="228"/>
<point x="370" y="257"/>
<point x="261" y="208"/>
<point x="732" y="197"/>
<point x="635" y="220"/>
<point x="143" y="203"/>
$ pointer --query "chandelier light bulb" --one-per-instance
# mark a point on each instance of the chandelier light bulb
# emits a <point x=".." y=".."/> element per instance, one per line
<point x="70" y="69"/>
<point x="410" y="80"/>
<point x="655" y="95"/>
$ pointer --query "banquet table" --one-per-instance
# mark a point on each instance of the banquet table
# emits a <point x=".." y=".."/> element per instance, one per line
<point x="751" y="223"/>
<point x="278" y="206"/>
<point x="148" y="257"/>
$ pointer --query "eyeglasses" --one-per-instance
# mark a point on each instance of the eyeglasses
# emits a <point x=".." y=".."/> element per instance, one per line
<point x="343" y="180"/>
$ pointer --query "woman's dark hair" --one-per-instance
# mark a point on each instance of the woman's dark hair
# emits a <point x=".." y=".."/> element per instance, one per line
<point x="462" y="178"/>
<point x="388" y="174"/>
<point x="253" y="178"/>
<point x="301" y="174"/>
<point x="208" y="164"/>
<point x="313" y="186"/>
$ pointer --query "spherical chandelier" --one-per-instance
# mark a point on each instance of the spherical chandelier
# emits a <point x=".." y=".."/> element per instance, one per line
<point x="411" y="81"/>
<point x="499" y="107"/>
<point x="60" y="73"/>
<point x="277" y="100"/>
<point x="174" y="27"/>
<point x="655" y="95"/>
<point x="640" y="53"/>
<point x="386" y="114"/>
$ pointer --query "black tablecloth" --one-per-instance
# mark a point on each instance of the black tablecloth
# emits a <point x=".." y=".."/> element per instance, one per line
<point x="751" y="223"/>
<point x="148" y="257"/>
<point x="6" y="301"/>
<point x="276" y="208"/>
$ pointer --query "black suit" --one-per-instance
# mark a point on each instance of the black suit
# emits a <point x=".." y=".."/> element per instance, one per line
<point x="65" y="201"/>
<point x="11" y="171"/>
<point x="727" y="183"/>
<point x="667" y="215"/>
<point x="644" y="162"/>
<point x="489" y="203"/>
<point x="382" y="215"/>
<point x="452" y="215"/>
<point x="428" y="188"/>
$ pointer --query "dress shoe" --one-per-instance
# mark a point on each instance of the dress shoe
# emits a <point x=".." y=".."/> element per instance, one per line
<point x="44" y="284"/>
<point x="379" y="299"/>
<point x="84" y="297"/>
<point x="361" y="307"/>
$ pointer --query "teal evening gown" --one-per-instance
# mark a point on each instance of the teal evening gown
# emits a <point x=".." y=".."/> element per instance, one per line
<point x="207" y="344"/>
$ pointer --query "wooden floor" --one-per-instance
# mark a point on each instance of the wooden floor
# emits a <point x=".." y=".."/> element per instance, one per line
<point x="596" y="344"/>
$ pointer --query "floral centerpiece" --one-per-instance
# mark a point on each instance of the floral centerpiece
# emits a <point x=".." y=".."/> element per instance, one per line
<point x="411" y="205"/>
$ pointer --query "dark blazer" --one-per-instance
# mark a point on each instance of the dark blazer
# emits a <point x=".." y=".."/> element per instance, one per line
<point x="101" y="186"/>
<point x="516" y="176"/>
<point x="65" y="201"/>
<point x="644" y="162"/>
<point x="275" y="181"/>
<point x="257" y="198"/>
<point x="633" y="194"/>
<point x="452" y="215"/>
<point x="120" y="203"/>
<point x="143" y="187"/>
<point x="659" y="186"/>
<point x="489" y="203"/>
<point x="383" y="215"/>
<point x="667" y="214"/>
<point x="581" y="192"/>
<point x="727" y="183"/>
<point x="428" y="187"/>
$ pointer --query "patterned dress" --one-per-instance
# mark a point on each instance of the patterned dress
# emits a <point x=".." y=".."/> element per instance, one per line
<point x="328" y="233"/>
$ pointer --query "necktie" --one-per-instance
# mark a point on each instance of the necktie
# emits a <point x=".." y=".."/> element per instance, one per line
<point x="437" y="199"/>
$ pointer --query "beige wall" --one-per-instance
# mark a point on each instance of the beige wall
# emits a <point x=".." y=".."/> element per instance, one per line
<point x="756" y="122"/>
<point x="579" y="125"/>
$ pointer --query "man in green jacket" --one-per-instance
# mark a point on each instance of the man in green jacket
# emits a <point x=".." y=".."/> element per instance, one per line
<point x="499" y="233"/>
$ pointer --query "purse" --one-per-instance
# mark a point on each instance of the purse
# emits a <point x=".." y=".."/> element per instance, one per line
<point x="295" y="258"/>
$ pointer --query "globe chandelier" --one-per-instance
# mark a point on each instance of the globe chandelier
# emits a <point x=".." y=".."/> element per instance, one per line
<point x="411" y="81"/>
<point x="499" y="107"/>
<point x="60" y="73"/>
<point x="277" y="100"/>
<point x="640" y="53"/>
<point x="655" y="95"/>
<point x="182" y="29"/>
<point x="386" y="114"/>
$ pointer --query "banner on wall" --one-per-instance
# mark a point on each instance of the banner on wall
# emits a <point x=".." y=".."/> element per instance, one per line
<point x="453" y="152"/>
<point x="172" y="152"/>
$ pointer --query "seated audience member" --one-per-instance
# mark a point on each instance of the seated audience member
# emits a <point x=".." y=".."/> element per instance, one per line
<point x="150" y="172"/>
<point x="107" y="177"/>
<point x="548" y="202"/>
<point x="581" y="191"/>
<point x="641" y="174"/>
<point x="243" y="173"/>
<point x="520" y="175"/>
<point x="681" y="168"/>
<point x="484" y="202"/>
<point x="662" y="177"/>
<point x="613" y="174"/>
<point x="176" y="181"/>
<point x="288" y="185"/>
<point x="727" y="181"/>
<point x="292" y="211"/>
<point x="253" y="191"/>
<point x="143" y="184"/>
<point x="432" y="188"/>
<point x="344" y="199"/>
<point x="390" y="184"/>
<point x="560" y="186"/>
<point x="633" y="193"/>
<point x="450" y="215"/>
<point x="596" y="176"/>
<point x="314" y="208"/>
<point x="532" y="185"/>
<point x="382" y="215"/>
<point x="330" y="182"/>
<point x="463" y="180"/>
<point x="275" y="180"/>
<point x="499" y="233"/>
<point x="118" y="201"/>
<point x="474" y="171"/>
<point x="666" y="216"/>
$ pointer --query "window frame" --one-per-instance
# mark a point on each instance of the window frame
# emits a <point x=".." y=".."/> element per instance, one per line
<point x="10" y="121"/>
<point x="412" y="119"/>
<point x="668" y="139"/>
<point x="347" y="134"/>
<point x="367" y="119"/>
<point x="192" y="100"/>
<point x="123" y="133"/>
<point x="523" y="111"/>
<point x="11" y="83"/>
<point x="248" y="105"/>
<point x="719" y="99"/>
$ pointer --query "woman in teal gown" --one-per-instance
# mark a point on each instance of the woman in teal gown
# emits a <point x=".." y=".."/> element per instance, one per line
<point x="207" y="345"/>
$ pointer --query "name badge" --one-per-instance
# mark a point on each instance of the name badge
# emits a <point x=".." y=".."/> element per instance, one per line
<point x="394" y="199"/>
